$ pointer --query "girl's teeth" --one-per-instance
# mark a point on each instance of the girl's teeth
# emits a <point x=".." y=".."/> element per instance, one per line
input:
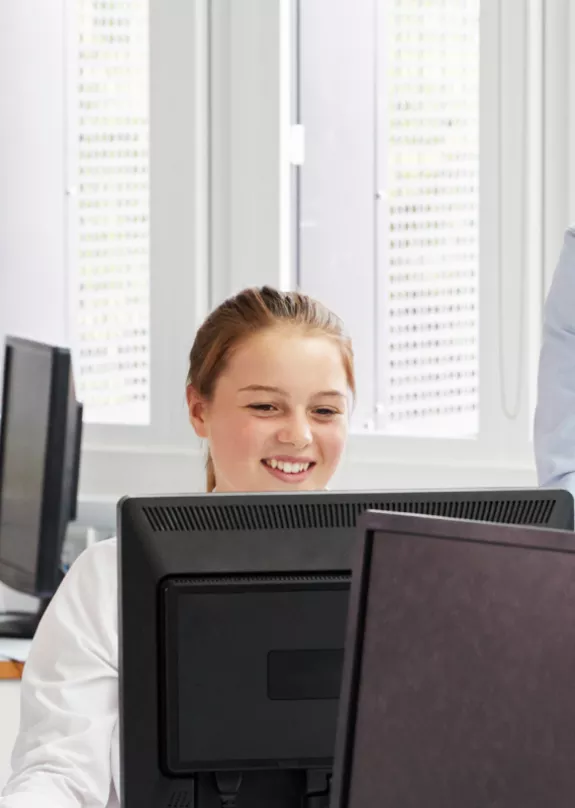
<point x="287" y="468"/>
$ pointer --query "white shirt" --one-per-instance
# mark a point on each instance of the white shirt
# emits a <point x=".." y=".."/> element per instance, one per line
<point x="67" y="751"/>
<point x="554" y="433"/>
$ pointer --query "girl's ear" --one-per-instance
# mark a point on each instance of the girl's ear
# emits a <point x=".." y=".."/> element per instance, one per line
<point x="198" y="410"/>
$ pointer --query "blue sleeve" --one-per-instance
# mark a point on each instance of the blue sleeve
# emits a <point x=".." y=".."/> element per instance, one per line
<point x="554" y="432"/>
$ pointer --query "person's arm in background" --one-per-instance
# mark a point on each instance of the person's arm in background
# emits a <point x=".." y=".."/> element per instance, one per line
<point x="554" y="432"/>
<point x="69" y="695"/>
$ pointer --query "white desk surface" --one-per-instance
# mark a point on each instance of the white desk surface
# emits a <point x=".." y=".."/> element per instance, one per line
<point x="14" y="649"/>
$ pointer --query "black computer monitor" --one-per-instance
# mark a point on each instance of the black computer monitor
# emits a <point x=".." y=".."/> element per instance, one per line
<point x="232" y="621"/>
<point x="40" y="435"/>
<point x="459" y="667"/>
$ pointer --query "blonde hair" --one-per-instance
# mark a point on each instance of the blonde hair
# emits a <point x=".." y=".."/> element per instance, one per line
<point x="248" y="313"/>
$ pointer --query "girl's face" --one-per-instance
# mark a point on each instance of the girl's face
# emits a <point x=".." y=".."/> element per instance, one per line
<point x="278" y="418"/>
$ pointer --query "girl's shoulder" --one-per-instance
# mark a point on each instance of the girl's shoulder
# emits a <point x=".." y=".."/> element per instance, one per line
<point x="82" y="615"/>
<point x="90" y="585"/>
<point x="98" y="560"/>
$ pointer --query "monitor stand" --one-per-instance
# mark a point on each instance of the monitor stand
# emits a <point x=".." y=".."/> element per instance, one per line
<point x="264" y="789"/>
<point x="22" y="625"/>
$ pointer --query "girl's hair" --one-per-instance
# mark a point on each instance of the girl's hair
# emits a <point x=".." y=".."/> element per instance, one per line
<point x="246" y="314"/>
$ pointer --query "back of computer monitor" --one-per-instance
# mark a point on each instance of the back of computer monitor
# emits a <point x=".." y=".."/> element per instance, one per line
<point x="182" y="559"/>
<point x="244" y="630"/>
<point x="459" y="667"/>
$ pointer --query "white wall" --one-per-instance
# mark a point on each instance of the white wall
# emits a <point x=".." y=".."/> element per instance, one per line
<point x="33" y="291"/>
<point x="33" y="286"/>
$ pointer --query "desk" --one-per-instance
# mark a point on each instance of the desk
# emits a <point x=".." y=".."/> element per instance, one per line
<point x="10" y="673"/>
<point x="13" y="654"/>
<point x="10" y="669"/>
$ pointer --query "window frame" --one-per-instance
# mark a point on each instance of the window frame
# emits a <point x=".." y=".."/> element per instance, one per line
<point x="241" y="166"/>
<point x="152" y="457"/>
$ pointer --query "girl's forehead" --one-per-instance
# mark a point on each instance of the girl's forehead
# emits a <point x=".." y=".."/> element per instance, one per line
<point x="269" y="348"/>
<point x="281" y="357"/>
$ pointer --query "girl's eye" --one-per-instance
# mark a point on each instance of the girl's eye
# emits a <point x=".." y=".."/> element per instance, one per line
<point x="325" y="411"/>
<point x="262" y="407"/>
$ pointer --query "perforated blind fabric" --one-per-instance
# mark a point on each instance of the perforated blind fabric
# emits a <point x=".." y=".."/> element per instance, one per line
<point x="109" y="227"/>
<point x="428" y="150"/>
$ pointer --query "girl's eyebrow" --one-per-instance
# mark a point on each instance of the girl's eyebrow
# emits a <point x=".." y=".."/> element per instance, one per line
<point x="264" y="388"/>
<point x="337" y="393"/>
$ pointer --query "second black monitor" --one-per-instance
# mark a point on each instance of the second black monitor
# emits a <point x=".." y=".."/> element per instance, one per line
<point x="40" y="437"/>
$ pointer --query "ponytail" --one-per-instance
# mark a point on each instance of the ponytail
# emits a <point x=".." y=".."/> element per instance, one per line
<point x="210" y="474"/>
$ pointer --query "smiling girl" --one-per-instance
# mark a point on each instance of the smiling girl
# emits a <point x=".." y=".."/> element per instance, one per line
<point x="269" y="385"/>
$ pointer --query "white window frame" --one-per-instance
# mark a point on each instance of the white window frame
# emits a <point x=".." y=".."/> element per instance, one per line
<point x="250" y="138"/>
<point x="157" y="457"/>
<point x="523" y="208"/>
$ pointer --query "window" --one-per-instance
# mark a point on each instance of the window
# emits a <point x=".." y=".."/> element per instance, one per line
<point x="225" y="198"/>
<point x="427" y="206"/>
<point x="146" y="198"/>
<point x="109" y="222"/>
<point x="428" y="234"/>
<point x="147" y="445"/>
<point x="389" y="196"/>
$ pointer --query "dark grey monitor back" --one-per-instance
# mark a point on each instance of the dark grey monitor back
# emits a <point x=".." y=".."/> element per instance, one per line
<point x="459" y="667"/>
<point x="256" y="660"/>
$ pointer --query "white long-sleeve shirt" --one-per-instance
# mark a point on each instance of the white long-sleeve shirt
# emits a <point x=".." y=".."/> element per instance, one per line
<point x="67" y="751"/>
